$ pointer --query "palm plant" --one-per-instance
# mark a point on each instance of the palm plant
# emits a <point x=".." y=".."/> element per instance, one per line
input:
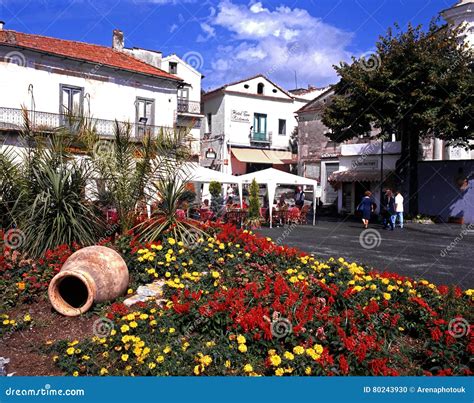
<point x="125" y="167"/>
<point x="58" y="214"/>
<point x="50" y="206"/>
<point x="169" y="188"/>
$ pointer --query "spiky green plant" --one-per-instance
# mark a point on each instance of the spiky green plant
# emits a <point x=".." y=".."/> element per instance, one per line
<point x="50" y="207"/>
<point x="58" y="214"/>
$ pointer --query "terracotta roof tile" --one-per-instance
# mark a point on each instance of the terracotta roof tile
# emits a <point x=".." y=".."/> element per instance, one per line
<point x="96" y="54"/>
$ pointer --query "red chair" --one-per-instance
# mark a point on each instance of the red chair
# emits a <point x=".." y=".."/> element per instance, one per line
<point x="294" y="215"/>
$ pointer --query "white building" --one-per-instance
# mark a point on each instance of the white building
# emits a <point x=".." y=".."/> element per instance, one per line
<point x="188" y="112"/>
<point x="51" y="77"/>
<point x="361" y="169"/>
<point x="247" y="126"/>
<point x="462" y="15"/>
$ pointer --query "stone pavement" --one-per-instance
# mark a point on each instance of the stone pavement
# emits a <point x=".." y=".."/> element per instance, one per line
<point x="440" y="253"/>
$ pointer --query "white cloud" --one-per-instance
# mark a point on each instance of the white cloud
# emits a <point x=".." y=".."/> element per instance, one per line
<point x="276" y="42"/>
<point x="208" y="30"/>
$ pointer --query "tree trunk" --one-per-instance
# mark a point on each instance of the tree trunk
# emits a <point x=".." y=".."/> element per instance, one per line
<point x="407" y="166"/>
<point x="413" y="173"/>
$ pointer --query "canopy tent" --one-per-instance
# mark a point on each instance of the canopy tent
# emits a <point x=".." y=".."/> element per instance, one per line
<point x="273" y="178"/>
<point x="198" y="174"/>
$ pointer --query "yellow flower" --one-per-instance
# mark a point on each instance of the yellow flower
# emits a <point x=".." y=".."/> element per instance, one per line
<point x="279" y="372"/>
<point x="401" y="329"/>
<point x="124" y="328"/>
<point x="55" y="358"/>
<point x="318" y="348"/>
<point x="151" y="365"/>
<point x="27" y="318"/>
<point x="275" y="360"/>
<point x="75" y="373"/>
<point x="288" y="356"/>
<point x="215" y="274"/>
<point x="242" y="348"/>
<point x="160" y="359"/>
<point x="133" y="324"/>
<point x="70" y="351"/>
<point x="227" y="364"/>
<point x="103" y="371"/>
<point x="129" y="291"/>
<point x="168" y="274"/>
<point x="171" y="241"/>
<point x="167" y="349"/>
<point x="197" y="369"/>
<point x="248" y="368"/>
<point x="124" y="357"/>
<point x="241" y="339"/>
<point x="308" y="371"/>
<point x="298" y="350"/>
<point x="86" y="357"/>
<point x="172" y="330"/>
<point x="21" y="286"/>
<point x="206" y="360"/>
<point x="387" y="296"/>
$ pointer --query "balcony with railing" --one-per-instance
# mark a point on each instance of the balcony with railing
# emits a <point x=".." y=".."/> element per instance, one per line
<point x="13" y="120"/>
<point x="260" y="139"/>
<point x="185" y="106"/>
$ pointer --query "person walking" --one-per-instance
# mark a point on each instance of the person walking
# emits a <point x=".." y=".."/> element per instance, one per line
<point x="389" y="210"/>
<point x="366" y="206"/>
<point x="399" y="209"/>
<point x="299" y="197"/>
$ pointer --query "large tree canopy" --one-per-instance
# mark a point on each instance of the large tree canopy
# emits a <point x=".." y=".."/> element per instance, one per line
<point x="417" y="84"/>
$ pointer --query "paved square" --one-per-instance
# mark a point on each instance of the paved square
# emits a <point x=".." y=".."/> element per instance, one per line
<point x="440" y="253"/>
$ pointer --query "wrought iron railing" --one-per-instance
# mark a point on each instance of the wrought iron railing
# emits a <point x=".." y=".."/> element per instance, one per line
<point x="13" y="119"/>
<point x="261" y="138"/>
<point x="187" y="106"/>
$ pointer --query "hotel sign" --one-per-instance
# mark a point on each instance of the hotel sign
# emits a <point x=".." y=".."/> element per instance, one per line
<point x="240" y="116"/>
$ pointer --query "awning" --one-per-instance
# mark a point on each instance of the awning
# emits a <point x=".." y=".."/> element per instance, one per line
<point x="357" y="176"/>
<point x="261" y="156"/>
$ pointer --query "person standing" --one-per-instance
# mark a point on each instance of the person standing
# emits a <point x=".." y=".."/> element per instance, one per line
<point x="389" y="210"/>
<point x="366" y="206"/>
<point x="399" y="208"/>
<point x="299" y="197"/>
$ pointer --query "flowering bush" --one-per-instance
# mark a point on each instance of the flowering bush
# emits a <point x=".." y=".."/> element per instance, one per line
<point x="25" y="280"/>
<point x="237" y="304"/>
<point x="9" y="325"/>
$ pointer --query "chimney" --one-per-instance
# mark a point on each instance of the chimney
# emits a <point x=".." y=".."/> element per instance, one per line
<point x="2" y="24"/>
<point x="117" y="40"/>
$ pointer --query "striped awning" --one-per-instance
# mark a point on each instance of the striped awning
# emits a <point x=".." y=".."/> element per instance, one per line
<point x="262" y="156"/>
<point x="357" y="176"/>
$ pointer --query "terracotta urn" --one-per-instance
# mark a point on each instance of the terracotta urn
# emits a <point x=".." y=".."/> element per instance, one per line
<point x="92" y="274"/>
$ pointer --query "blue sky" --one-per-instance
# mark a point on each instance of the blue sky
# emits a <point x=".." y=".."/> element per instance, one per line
<point x="229" y="40"/>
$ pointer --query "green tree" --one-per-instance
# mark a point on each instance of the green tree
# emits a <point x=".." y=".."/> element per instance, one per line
<point x="254" y="201"/>
<point x="418" y="84"/>
<point x="215" y="189"/>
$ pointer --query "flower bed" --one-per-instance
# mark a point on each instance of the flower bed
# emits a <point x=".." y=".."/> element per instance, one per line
<point x="237" y="304"/>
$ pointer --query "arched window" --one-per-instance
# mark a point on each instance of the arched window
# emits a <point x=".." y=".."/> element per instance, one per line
<point x="260" y="87"/>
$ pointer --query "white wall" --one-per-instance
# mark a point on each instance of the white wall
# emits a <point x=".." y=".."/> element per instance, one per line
<point x="238" y="132"/>
<point x="112" y="93"/>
